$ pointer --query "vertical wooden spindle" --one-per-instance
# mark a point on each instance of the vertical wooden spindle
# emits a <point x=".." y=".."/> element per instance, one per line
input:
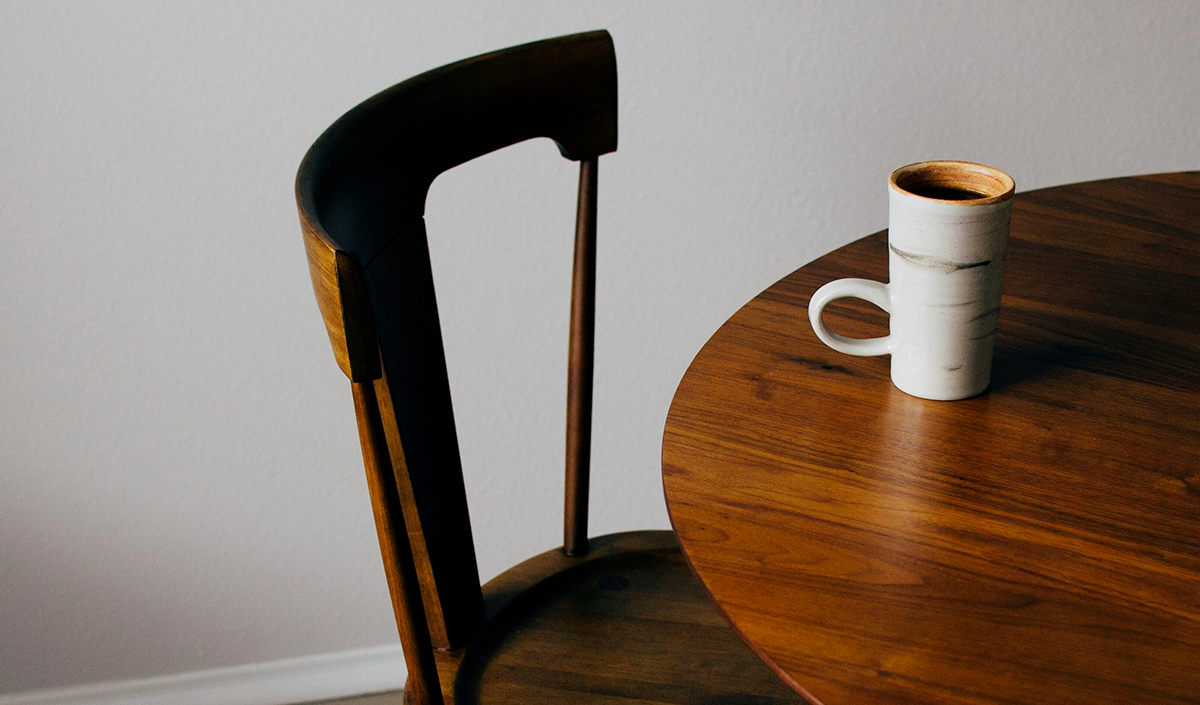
<point x="397" y="552"/>
<point x="580" y="359"/>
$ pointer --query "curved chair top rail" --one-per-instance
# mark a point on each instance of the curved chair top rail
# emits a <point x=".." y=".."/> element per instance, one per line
<point x="366" y="178"/>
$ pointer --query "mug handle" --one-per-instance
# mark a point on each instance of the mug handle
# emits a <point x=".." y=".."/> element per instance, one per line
<point x="865" y="289"/>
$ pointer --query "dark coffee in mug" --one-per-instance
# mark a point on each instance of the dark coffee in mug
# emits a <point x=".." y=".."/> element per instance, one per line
<point x="947" y="181"/>
<point x="945" y="193"/>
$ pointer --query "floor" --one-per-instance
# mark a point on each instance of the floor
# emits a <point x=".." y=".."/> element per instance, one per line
<point x="389" y="698"/>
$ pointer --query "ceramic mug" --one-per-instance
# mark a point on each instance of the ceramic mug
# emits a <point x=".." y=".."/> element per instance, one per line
<point x="947" y="239"/>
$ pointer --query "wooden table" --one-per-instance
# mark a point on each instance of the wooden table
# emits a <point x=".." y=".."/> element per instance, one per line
<point x="1039" y="543"/>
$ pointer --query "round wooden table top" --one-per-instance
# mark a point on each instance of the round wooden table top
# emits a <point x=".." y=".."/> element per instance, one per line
<point x="1039" y="543"/>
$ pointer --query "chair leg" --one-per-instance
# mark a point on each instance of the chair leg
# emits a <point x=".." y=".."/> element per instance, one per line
<point x="396" y="549"/>
<point x="579" y="373"/>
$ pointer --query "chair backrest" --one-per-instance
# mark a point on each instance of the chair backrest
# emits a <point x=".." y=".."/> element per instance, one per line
<point x="361" y="192"/>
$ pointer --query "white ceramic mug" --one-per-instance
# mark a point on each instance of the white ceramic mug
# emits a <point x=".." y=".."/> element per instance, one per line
<point x="947" y="239"/>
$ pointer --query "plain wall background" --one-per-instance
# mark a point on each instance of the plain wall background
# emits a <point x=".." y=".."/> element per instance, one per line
<point x="180" y="480"/>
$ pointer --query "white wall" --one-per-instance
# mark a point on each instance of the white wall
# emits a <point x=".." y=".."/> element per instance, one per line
<point x="180" y="483"/>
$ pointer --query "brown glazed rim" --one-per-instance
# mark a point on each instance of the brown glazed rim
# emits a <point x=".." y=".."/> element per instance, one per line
<point x="970" y="176"/>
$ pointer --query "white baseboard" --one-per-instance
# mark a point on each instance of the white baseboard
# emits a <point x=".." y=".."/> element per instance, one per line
<point x="296" y="680"/>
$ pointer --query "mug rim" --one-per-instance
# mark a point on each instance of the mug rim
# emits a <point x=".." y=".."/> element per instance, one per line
<point x="1002" y="185"/>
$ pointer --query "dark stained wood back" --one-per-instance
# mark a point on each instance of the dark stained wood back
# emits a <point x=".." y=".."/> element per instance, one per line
<point x="361" y="192"/>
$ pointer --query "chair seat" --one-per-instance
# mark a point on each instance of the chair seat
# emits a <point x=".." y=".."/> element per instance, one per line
<point x="626" y="623"/>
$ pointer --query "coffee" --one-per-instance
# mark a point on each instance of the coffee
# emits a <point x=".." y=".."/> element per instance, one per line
<point x="945" y="193"/>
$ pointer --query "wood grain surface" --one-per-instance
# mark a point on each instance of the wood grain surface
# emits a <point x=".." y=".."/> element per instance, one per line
<point x="1039" y="543"/>
<point x="625" y="624"/>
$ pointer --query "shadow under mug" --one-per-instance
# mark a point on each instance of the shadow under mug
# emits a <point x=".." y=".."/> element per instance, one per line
<point x="947" y="239"/>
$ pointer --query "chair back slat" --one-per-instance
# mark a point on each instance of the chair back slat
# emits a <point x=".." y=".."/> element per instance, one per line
<point x="361" y="192"/>
<point x="365" y="179"/>
<point x="419" y="419"/>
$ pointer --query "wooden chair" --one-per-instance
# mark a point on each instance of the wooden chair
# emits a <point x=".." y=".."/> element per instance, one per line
<point x="620" y="618"/>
